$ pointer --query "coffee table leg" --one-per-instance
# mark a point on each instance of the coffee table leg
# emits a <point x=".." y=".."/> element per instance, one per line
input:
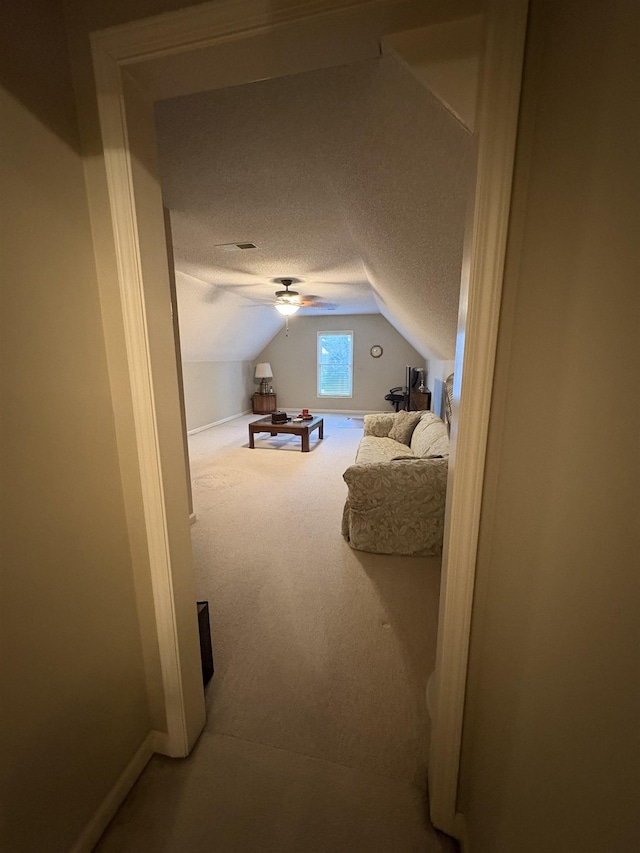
<point x="251" y="444"/>
<point x="321" y="430"/>
<point x="305" y="441"/>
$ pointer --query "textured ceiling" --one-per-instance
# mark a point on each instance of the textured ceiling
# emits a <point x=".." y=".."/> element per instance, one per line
<point x="351" y="180"/>
<point x="215" y="321"/>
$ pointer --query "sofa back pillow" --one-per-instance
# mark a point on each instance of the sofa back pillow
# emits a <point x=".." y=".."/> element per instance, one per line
<point x="430" y="437"/>
<point x="404" y="424"/>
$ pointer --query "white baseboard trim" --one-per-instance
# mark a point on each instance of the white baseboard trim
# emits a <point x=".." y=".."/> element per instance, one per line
<point x="161" y="743"/>
<point x="217" y="423"/>
<point x="291" y="409"/>
<point x="336" y="411"/>
<point x="101" y="819"/>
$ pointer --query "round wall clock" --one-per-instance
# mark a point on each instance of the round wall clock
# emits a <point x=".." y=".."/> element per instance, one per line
<point x="376" y="351"/>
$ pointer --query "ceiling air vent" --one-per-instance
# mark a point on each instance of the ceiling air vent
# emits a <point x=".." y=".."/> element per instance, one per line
<point x="234" y="247"/>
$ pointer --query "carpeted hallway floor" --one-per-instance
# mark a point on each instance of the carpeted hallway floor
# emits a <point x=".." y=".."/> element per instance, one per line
<point x="317" y="732"/>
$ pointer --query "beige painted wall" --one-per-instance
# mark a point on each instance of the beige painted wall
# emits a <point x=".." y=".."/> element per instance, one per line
<point x="293" y="360"/>
<point x="215" y="390"/>
<point x="550" y="755"/>
<point x="438" y="372"/>
<point x="72" y="681"/>
<point x="445" y="57"/>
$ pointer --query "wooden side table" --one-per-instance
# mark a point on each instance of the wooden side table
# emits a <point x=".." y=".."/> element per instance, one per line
<point x="420" y="401"/>
<point x="264" y="404"/>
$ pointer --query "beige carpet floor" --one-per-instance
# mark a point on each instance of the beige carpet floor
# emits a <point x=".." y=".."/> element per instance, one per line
<point x="317" y="731"/>
<point x="352" y="423"/>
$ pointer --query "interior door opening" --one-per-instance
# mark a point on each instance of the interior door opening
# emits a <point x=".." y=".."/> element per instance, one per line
<point x="112" y="51"/>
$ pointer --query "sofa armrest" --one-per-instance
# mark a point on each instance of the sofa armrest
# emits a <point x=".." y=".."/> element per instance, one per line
<point x="378" y="424"/>
<point x="387" y="482"/>
<point x="396" y="507"/>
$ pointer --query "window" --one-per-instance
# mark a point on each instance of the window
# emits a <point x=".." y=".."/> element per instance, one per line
<point x="335" y="364"/>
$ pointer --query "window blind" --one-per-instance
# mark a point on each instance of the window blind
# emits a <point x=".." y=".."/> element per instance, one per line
<point x="335" y="362"/>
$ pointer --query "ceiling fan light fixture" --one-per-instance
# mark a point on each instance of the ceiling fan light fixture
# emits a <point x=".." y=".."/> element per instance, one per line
<point x="287" y="301"/>
<point x="286" y="308"/>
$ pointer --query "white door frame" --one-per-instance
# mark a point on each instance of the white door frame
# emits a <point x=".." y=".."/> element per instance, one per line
<point x="480" y="300"/>
<point x="203" y="26"/>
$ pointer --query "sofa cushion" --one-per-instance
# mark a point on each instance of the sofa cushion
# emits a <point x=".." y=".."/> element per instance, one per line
<point x="378" y="424"/>
<point x="375" y="449"/>
<point x="430" y="437"/>
<point x="404" y="424"/>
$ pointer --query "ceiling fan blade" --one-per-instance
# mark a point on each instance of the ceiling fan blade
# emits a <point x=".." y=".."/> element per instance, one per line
<point x="258" y="305"/>
<point x="279" y="297"/>
<point x="313" y="301"/>
<point x="328" y="306"/>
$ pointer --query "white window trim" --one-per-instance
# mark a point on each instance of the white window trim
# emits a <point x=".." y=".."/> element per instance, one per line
<point x="334" y="332"/>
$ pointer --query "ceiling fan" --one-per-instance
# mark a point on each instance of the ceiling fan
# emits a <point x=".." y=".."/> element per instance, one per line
<point x="287" y="301"/>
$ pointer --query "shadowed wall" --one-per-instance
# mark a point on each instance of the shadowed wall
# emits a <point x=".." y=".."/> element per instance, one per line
<point x="550" y="756"/>
<point x="73" y="686"/>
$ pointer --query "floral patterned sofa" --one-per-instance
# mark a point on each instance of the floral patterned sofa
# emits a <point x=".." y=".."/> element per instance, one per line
<point x="397" y="490"/>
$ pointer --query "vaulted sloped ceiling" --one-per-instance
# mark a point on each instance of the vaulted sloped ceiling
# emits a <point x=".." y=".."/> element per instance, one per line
<point x="352" y="181"/>
<point x="213" y="322"/>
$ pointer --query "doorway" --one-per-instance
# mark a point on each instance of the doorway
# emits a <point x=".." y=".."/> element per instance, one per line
<point x="130" y="63"/>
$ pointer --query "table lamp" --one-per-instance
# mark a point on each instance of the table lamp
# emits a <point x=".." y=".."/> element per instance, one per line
<point x="265" y="374"/>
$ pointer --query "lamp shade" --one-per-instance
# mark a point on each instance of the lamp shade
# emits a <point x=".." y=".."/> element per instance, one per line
<point x="263" y="370"/>
<point x="287" y="308"/>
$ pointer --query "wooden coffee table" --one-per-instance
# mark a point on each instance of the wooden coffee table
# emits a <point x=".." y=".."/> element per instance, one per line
<point x="303" y="429"/>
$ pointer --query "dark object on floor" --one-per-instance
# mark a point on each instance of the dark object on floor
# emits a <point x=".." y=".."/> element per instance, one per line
<point x="263" y="404"/>
<point x="400" y="396"/>
<point x="206" y="652"/>
<point x="420" y="401"/>
<point x="397" y="396"/>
